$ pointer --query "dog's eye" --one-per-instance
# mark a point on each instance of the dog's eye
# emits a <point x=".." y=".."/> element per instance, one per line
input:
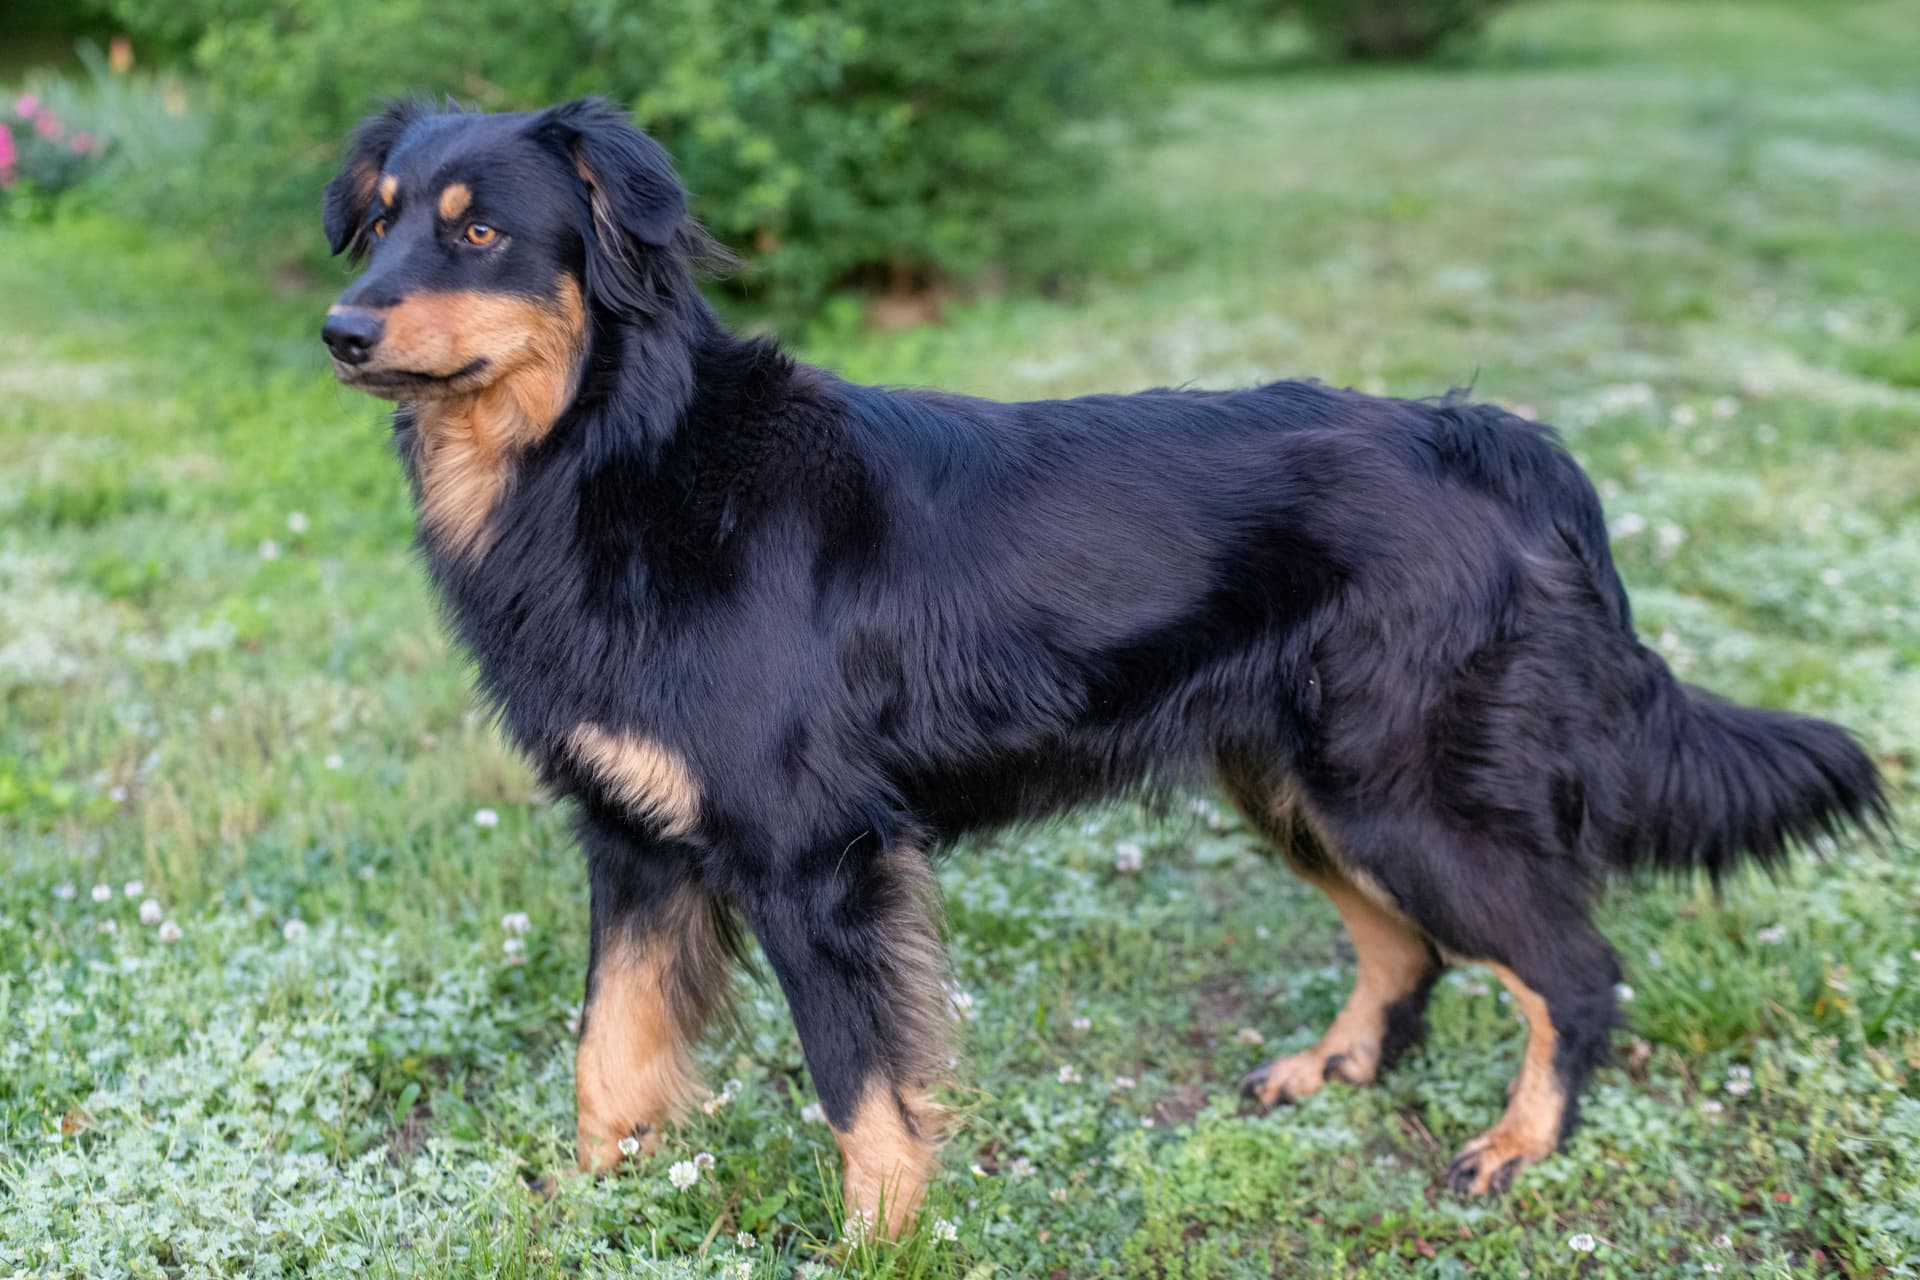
<point x="380" y="228"/>
<point x="480" y="234"/>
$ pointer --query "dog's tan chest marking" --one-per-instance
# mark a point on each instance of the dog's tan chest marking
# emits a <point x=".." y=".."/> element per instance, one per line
<point x="651" y="780"/>
<point x="465" y="444"/>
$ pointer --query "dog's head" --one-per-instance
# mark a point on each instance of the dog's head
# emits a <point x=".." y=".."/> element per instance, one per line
<point x="489" y="237"/>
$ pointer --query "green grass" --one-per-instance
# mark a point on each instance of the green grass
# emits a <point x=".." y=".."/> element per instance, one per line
<point x="1686" y="233"/>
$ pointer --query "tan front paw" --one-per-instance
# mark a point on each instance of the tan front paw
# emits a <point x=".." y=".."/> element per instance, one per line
<point x="602" y="1146"/>
<point x="1487" y="1165"/>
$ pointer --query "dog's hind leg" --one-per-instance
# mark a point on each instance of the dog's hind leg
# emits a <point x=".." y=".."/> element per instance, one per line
<point x="1561" y="978"/>
<point x="1384" y="1014"/>
<point x="1396" y="965"/>
<point x="852" y="933"/>
<point x="662" y="956"/>
<point x="1523" y="914"/>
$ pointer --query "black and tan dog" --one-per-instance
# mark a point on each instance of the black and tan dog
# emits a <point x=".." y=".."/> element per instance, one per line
<point x="779" y="636"/>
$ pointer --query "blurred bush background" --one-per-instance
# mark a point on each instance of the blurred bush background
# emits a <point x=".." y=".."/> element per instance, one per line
<point x="871" y="142"/>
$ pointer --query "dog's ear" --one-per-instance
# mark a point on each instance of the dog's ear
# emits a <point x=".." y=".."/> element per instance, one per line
<point x="343" y="209"/>
<point x="637" y="207"/>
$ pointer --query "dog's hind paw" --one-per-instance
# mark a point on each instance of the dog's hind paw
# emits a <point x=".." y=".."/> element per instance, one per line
<point x="1299" y="1075"/>
<point x="1488" y="1164"/>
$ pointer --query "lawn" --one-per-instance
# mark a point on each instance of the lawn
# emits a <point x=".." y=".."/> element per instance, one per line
<point x="1688" y="234"/>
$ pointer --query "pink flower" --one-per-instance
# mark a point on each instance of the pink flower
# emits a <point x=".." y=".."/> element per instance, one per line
<point x="48" y="126"/>
<point x="8" y="158"/>
<point x="25" y="105"/>
<point x="82" y="143"/>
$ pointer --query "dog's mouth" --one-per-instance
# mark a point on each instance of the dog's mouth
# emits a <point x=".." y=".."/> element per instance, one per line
<point x="408" y="384"/>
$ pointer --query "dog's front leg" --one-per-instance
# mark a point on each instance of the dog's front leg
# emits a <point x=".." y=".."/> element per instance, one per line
<point x="660" y="962"/>
<point x="852" y="933"/>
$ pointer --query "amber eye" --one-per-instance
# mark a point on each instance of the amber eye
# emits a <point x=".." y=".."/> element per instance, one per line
<point x="380" y="228"/>
<point x="480" y="234"/>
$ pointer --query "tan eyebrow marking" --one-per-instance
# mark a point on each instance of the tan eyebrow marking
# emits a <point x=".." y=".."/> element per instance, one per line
<point x="389" y="187"/>
<point x="454" y="200"/>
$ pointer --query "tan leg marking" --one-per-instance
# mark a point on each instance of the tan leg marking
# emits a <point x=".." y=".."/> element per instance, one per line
<point x="1530" y="1129"/>
<point x="653" y="781"/>
<point x="455" y="197"/>
<point x="1392" y="959"/>
<point x="634" y="1069"/>
<point x="890" y="1151"/>
<point x="889" y="1154"/>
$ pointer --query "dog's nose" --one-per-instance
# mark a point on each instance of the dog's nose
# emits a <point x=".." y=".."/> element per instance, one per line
<point x="351" y="334"/>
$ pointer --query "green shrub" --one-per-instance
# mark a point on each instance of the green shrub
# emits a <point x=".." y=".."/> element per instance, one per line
<point x="864" y="142"/>
<point x="1394" y="30"/>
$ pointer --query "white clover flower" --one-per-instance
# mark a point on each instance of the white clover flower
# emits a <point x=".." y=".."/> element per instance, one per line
<point x="1128" y="857"/>
<point x="1684" y="415"/>
<point x="743" y="1269"/>
<point x="1261" y="932"/>
<point x="703" y="1161"/>
<point x="1723" y="1241"/>
<point x="333" y="761"/>
<point x="67" y="891"/>
<point x="1771" y="934"/>
<point x="1713" y="1106"/>
<point x="169" y="932"/>
<point x="101" y="893"/>
<point x="813" y="1113"/>
<point x="515" y="922"/>
<point x="1711" y="1268"/>
<point x="1582" y="1243"/>
<point x="109" y="926"/>
<point x="1629" y="524"/>
<point x="683" y="1175"/>
<point x="1121" y="1084"/>
<point x="1248" y="1035"/>
<point x="573" y="1019"/>
<point x="629" y="1146"/>
<point x="296" y="522"/>
<point x="1623" y="993"/>
<point x="294" y="930"/>
<point x="1069" y="1074"/>
<point x="134" y="888"/>
<point x="150" y="913"/>
<point x="269" y="549"/>
<point x="117" y="793"/>
<point x="1082" y="1023"/>
<point x="515" y="949"/>
<point x="859" y="1227"/>
<point x="487" y="818"/>
<point x="1058" y="1195"/>
<point x="743" y="1240"/>
<point x="1739" y="1088"/>
<point x="1021" y="1167"/>
<point x="1146" y="1122"/>
<point x="945" y="1231"/>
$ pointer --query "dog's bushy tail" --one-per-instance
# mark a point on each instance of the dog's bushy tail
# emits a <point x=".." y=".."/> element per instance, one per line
<point x="1721" y="783"/>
